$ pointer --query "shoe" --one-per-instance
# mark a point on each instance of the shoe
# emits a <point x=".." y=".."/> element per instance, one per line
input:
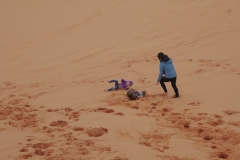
<point x="143" y="93"/>
<point x="175" y="96"/>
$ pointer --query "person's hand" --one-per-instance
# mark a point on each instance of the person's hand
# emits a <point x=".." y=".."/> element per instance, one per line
<point x="157" y="83"/>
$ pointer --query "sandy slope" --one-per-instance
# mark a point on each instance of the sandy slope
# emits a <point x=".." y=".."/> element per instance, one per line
<point x="56" y="58"/>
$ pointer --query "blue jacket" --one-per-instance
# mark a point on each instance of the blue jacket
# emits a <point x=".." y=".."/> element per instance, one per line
<point x="167" y="68"/>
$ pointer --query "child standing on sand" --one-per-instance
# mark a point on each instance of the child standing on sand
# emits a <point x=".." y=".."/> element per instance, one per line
<point x="120" y="85"/>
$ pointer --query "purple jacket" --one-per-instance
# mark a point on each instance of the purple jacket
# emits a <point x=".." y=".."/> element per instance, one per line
<point x="124" y="85"/>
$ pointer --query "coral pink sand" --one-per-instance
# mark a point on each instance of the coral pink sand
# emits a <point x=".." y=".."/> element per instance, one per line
<point x="56" y="59"/>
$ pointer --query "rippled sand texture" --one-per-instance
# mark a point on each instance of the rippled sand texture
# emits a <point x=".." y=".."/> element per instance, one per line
<point x="58" y="55"/>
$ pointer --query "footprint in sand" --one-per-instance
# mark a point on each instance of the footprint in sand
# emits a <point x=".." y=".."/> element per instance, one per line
<point x="119" y="158"/>
<point x="59" y="123"/>
<point x="196" y="103"/>
<point x="119" y="113"/>
<point x="24" y="149"/>
<point x="186" y="124"/>
<point x="37" y="95"/>
<point x="106" y="110"/>
<point x="217" y="116"/>
<point x="230" y="112"/>
<point x="41" y="145"/>
<point x="155" y="140"/>
<point x="147" y="60"/>
<point x="236" y="124"/>
<point x="74" y="115"/>
<point x="215" y="122"/>
<point x="211" y="64"/>
<point x="141" y="80"/>
<point x="39" y="152"/>
<point x="199" y="71"/>
<point x="11" y="95"/>
<point x="200" y="130"/>
<point x="96" y="132"/>
<point x="78" y="129"/>
<point x="51" y="110"/>
<point x="208" y="137"/>
<point x="26" y="156"/>
<point x="15" y="102"/>
<point x="8" y="83"/>
<point x="155" y="103"/>
<point x="222" y="155"/>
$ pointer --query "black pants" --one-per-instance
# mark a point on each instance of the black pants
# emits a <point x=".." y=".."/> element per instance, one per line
<point x="116" y="87"/>
<point x="173" y="82"/>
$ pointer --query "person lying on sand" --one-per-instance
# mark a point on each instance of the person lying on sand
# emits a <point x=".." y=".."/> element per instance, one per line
<point x="134" y="94"/>
<point x="123" y="84"/>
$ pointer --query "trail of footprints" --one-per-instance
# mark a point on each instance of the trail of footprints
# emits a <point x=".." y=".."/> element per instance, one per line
<point x="202" y="128"/>
<point x="211" y="63"/>
<point x="206" y="130"/>
<point x="17" y="112"/>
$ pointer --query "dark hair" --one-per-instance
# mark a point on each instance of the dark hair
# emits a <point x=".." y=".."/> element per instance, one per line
<point x="161" y="55"/>
<point x="131" y="95"/>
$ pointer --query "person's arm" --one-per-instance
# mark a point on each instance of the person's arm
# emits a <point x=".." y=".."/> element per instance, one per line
<point x="123" y="81"/>
<point x="160" y="72"/>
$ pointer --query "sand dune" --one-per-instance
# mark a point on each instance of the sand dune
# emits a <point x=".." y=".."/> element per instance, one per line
<point x="56" y="59"/>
